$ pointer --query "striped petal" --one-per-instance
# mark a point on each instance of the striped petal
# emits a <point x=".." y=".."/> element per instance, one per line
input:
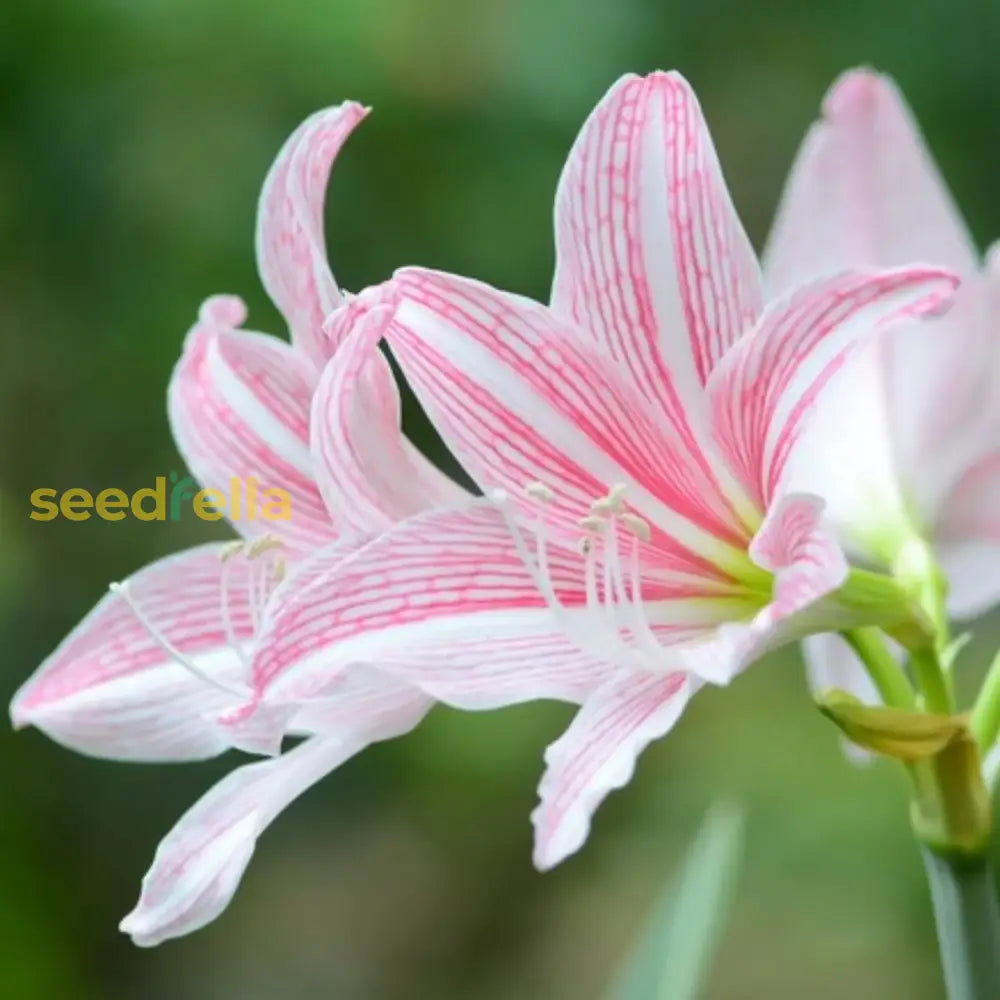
<point x="239" y="409"/>
<point x="518" y="398"/>
<point x="807" y="565"/>
<point x="291" y="247"/>
<point x="370" y="475"/>
<point x="110" y="690"/>
<point x="765" y="387"/>
<point x="199" y="864"/>
<point x="597" y="754"/>
<point x="651" y="257"/>
<point x="443" y="601"/>
<point x="864" y="191"/>
<point x="804" y="557"/>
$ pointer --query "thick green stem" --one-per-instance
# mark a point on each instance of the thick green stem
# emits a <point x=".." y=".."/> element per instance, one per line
<point x="932" y="680"/>
<point x="882" y="667"/>
<point x="968" y="924"/>
<point x="985" y="724"/>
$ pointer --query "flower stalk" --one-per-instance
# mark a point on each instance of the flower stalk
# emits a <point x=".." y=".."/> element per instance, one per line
<point x="985" y="722"/>
<point x="967" y="917"/>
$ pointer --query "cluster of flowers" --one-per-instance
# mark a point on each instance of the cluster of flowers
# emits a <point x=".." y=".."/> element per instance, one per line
<point x="685" y="460"/>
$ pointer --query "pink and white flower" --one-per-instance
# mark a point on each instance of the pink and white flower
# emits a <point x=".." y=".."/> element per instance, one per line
<point x="146" y="675"/>
<point x="907" y="454"/>
<point x="634" y="439"/>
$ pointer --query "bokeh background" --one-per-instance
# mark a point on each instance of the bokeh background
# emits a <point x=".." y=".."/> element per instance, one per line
<point x="134" y="137"/>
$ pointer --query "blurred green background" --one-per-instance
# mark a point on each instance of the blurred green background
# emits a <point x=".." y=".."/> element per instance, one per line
<point x="134" y="136"/>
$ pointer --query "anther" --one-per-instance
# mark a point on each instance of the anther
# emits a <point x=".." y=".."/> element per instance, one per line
<point x="231" y="549"/>
<point x="257" y="547"/>
<point x="592" y="523"/>
<point x="539" y="491"/>
<point x="616" y="497"/>
<point x="637" y="525"/>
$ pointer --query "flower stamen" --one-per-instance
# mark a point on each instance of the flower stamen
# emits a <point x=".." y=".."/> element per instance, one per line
<point x="612" y="625"/>
<point x="123" y="590"/>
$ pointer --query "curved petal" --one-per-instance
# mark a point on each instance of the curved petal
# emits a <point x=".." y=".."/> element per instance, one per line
<point x="370" y="475"/>
<point x="110" y="690"/>
<point x="239" y="410"/>
<point x="597" y="754"/>
<point x="291" y="247"/>
<point x="199" y="864"/>
<point x="518" y="398"/>
<point x="443" y="601"/>
<point x="767" y="384"/>
<point x="805" y="559"/>
<point x="807" y="564"/>
<point x="651" y="257"/>
<point x="864" y="191"/>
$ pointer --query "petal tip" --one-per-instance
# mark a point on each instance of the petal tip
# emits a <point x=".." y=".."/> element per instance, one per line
<point x="223" y="311"/>
<point x="857" y="90"/>
<point x="992" y="264"/>
<point x="21" y="715"/>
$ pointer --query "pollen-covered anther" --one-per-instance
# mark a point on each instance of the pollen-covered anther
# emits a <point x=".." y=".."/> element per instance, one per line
<point x="616" y="497"/>
<point x="231" y="549"/>
<point x="266" y="543"/>
<point x="637" y="525"/>
<point x="592" y="523"/>
<point x="539" y="491"/>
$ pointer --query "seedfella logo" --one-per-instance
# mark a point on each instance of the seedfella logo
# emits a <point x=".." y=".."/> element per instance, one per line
<point x="245" y="501"/>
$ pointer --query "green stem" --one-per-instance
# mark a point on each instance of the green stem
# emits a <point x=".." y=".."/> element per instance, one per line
<point x="932" y="680"/>
<point x="882" y="667"/>
<point x="985" y="722"/>
<point x="968" y="924"/>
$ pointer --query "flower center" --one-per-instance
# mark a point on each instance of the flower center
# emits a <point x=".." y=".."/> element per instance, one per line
<point x="612" y="623"/>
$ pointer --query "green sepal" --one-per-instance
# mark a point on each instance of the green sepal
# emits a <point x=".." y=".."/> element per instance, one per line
<point x="868" y="598"/>
<point x="900" y="733"/>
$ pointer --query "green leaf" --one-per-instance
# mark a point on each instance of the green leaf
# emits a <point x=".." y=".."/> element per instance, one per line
<point x="672" y="958"/>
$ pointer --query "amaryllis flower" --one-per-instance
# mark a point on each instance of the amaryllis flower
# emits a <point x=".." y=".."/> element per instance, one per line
<point x="907" y="453"/>
<point x="148" y="673"/>
<point x="633" y="439"/>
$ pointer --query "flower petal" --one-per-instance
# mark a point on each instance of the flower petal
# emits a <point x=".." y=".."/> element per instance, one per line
<point x="199" y="864"/>
<point x="864" y="191"/>
<point x="651" y="257"/>
<point x="597" y="754"/>
<point x="291" y="247"/>
<point x="767" y="384"/>
<point x="518" y="398"/>
<point x="443" y="601"/>
<point x="110" y="690"/>
<point x="808" y="564"/>
<point x="968" y="539"/>
<point x="239" y="409"/>
<point x="806" y="560"/>
<point x="370" y="475"/>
